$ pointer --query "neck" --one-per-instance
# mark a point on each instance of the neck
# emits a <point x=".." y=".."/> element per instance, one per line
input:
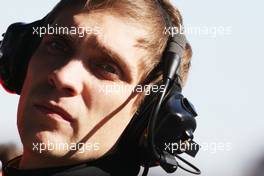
<point x="31" y="160"/>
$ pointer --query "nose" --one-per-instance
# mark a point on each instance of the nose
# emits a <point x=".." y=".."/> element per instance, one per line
<point x="68" y="78"/>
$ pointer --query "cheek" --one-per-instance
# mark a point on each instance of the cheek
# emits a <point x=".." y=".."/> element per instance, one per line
<point x="33" y="78"/>
<point x="24" y="95"/>
<point x="35" y="73"/>
<point x="108" y="98"/>
<point x="109" y="115"/>
<point x="118" y="108"/>
<point x="104" y="107"/>
<point x="22" y="111"/>
<point x="27" y="85"/>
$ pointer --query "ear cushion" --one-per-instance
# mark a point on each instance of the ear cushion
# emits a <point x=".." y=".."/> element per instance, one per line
<point x="16" y="49"/>
<point x="133" y="141"/>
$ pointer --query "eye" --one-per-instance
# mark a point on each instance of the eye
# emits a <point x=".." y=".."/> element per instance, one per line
<point x="107" y="70"/>
<point x="57" y="46"/>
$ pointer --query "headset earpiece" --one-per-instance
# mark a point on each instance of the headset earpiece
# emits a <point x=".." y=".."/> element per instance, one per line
<point x="16" y="49"/>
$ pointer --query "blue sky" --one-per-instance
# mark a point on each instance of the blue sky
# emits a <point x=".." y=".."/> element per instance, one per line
<point x="225" y="81"/>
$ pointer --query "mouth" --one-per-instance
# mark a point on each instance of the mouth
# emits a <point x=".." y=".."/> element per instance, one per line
<point x="53" y="111"/>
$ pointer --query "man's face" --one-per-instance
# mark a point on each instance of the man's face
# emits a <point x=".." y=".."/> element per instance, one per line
<point x="63" y="100"/>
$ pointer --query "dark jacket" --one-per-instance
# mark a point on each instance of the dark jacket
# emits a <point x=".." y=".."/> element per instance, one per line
<point x="107" y="166"/>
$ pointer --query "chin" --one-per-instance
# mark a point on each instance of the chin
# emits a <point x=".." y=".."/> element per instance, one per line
<point x="48" y="143"/>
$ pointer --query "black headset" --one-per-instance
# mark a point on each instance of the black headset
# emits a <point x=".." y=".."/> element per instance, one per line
<point x="163" y="121"/>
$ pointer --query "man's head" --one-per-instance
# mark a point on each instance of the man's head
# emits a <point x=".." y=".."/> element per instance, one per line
<point x="63" y="101"/>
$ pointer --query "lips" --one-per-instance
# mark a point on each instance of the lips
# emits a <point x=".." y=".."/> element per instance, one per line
<point x="51" y="109"/>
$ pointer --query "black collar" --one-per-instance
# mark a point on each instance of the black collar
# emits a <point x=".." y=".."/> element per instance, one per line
<point x="106" y="166"/>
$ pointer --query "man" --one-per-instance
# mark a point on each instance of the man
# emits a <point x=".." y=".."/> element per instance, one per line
<point x="67" y="119"/>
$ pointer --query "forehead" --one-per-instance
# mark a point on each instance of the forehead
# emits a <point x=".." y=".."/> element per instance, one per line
<point x="113" y="31"/>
